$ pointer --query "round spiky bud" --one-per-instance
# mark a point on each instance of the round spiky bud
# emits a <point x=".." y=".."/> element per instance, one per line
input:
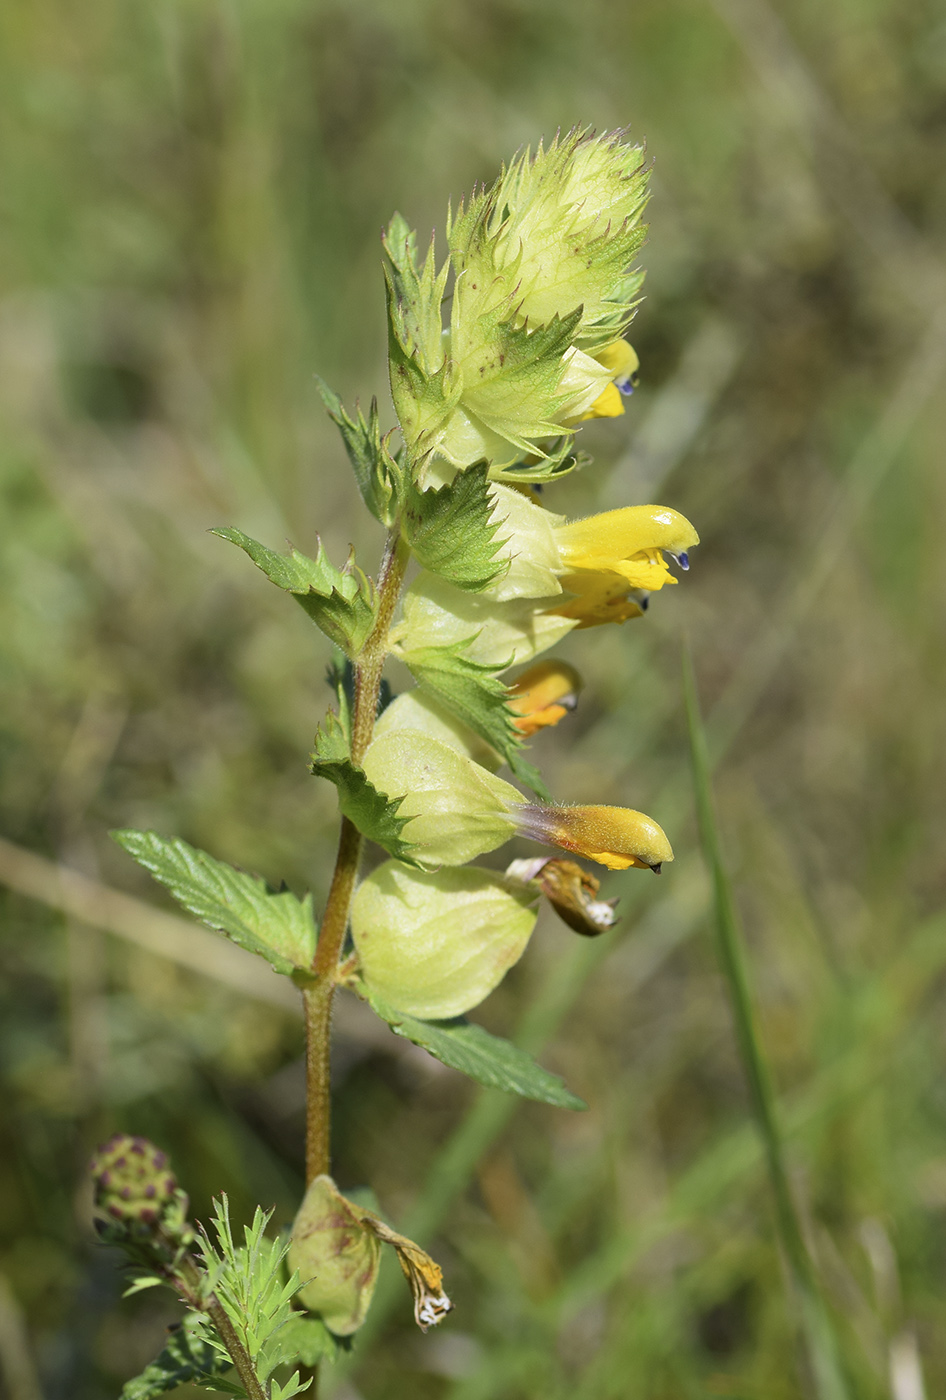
<point x="133" y="1181"/>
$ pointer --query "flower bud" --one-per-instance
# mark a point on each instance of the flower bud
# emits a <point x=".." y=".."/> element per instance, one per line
<point x="458" y="809"/>
<point x="613" y="836"/>
<point x="133" y="1182"/>
<point x="543" y="695"/>
<point x="335" y="1256"/>
<point x="435" y="944"/>
<point x="571" y="891"/>
<point x="621" y="362"/>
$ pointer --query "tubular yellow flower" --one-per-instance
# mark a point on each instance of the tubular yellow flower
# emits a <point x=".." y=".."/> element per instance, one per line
<point x="630" y="542"/>
<point x="560" y="575"/>
<point x="621" y="360"/>
<point x="613" y="836"/>
<point x="543" y="695"/>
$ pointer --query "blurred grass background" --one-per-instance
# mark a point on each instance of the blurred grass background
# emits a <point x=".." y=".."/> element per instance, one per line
<point x="190" y="198"/>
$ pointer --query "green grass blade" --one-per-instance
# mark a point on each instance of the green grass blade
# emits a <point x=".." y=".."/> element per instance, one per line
<point x="814" y="1320"/>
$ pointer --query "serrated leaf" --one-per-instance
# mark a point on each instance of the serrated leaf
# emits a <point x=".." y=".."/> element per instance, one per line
<point x="450" y="530"/>
<point x="372" y="812"/>
<point x="187" y="1357"/>
<point x="562" y="459"/>
<point x="340" y="601"/>
<point x="491" y="1061"/>
<point x="417" y="292"/>
<point x="277" y="926"/>
<point x="424" y="383"/>
<point x="476" y="696"/>
<point x="376" y="471"/>
<point x="513" y="382"/>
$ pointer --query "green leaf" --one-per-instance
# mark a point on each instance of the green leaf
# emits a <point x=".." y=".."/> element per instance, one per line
<point x="513" y="384"/>
<point x="294" y="1386"/>
<point x="376" y="471"/>
<point x="477" y="697"/>
<point x="341" y="681"/>
<point x="187" y="1357"/>
<point x="251" y="1285"/>
<point x="416" y="295"/>
<point x="561" y="460"/>
<point x="424" y="383"/>
<point x="340" y="601"/>
<point x="450" y="532"/>
<point x="373" y="812"/>
<point x="277" y="926"/>
<point x="496" y="1063"/>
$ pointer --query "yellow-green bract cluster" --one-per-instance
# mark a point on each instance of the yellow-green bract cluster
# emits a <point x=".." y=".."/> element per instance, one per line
<point x="542" y="285"/>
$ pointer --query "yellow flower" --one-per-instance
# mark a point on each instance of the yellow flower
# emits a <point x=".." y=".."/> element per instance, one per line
<point x="543" y="695"/>
<point x="600" y="598"/>
<point x="630" y="542"/>
<point x="560" y="575"/>
<point x="621" y="359"/>
<point x="613" y="836"/>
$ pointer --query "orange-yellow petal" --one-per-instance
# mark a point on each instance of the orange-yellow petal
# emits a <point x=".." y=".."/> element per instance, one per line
<point x="543" y="695"/>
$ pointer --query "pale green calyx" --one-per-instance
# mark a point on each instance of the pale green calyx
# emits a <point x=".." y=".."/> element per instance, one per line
<point x="499" y="633"/>
<point x="456" y="810"/>
<point x="415" y="710"/>
<point x="508" y="621"/>
<point x="434" y="944"/>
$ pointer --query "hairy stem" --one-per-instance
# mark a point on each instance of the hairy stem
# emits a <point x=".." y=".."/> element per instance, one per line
<point x="318" y="998"/>
<point x="318" y="1004"/>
